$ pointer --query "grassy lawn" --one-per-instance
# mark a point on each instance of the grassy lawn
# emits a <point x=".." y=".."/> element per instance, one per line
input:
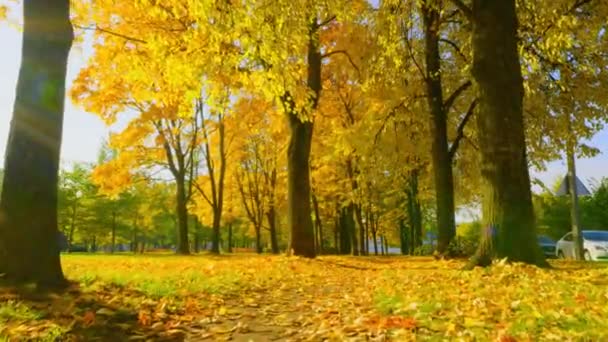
<point x="263" y="298"/>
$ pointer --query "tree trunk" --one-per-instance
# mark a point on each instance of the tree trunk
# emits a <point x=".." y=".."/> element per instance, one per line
<point x="375" y="236"/>
<point x="183" y="246"/>
<point x="385" y="245"/>
<point x="215" y="243"/>
<point x="347" y="230"/>
<point x="300" y="221"/>
<point x="72" y="228"/>
<point x="352" y="230"/>
<point x="414" y="213"/>
<point x="381" y="244"/>
<point x="229" y="238"/>
<point x="258" y="240"/>
<point x="298" y="156"/>
<point x="367" y="223"/>
<point x="403" y="237"/>
<point x="272" y="224"/>
<point x="29" y="250"/>
<point x="359" y="217"/>
<point x="197" y="233"/>
<point x="506" y="197"/>
<point x="337" y="233"/>
<point x="134" y="237"/>
<point x="442" y="168"/>
<point x="318" y="224"/>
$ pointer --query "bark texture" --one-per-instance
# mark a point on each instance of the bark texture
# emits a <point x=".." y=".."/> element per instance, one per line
<point x="298" y="156"/>
<point x="442" y="163"/>
<point x="28" y="205"/>
<point x="509" y="227"/>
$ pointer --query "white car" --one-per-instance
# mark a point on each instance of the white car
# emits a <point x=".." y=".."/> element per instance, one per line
<point x="595" y="245"/>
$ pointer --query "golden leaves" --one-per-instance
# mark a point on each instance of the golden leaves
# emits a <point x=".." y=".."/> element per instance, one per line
<point x="3" y="12"/>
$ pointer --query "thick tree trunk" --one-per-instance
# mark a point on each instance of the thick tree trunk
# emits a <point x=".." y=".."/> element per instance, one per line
<point x="29" y="250"/>
<point x="272" y="225"/>
<point x="506" y="197"/>
<point x="183" y="247"/>
<point x="258" y="240"/>
<point x="442" y="168"/>
<point x="298" y="156"/>
<point x="300" y="220"/>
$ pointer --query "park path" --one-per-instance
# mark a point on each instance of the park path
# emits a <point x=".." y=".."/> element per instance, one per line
<point x="329" y="305"/>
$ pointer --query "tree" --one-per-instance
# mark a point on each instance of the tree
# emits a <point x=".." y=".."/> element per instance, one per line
<point x="508" y="215"/>
<point x="28" y="231"/>
<point x="128" y="76"/>
<point x="215" y="162"/>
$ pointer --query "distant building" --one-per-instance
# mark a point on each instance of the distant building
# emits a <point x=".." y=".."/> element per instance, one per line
<point x="564" y="188"/>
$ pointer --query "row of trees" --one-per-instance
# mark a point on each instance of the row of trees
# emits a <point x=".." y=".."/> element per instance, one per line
<point x="313" y="113"/>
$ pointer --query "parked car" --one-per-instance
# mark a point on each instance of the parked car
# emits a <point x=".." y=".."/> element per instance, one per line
<point x="548" y="245"/>
<point x="595" y="245"/>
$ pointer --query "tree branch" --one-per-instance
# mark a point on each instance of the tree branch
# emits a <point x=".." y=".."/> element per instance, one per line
<point x="345" y="53"/>
<point x="97" y="28"/>
<point x="460" y="130"/>
<point x="455" y="46"/>
<point x="447" y="105"/>
<point x="326" y="21"/>
<point x="466" y="10"/>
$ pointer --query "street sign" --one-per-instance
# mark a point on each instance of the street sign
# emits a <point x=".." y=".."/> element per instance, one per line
<point x="564" y="188"/>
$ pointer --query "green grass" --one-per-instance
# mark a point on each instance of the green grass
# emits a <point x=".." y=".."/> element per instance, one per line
<point x="156" y="276"/>
<point x="17" y="311"/>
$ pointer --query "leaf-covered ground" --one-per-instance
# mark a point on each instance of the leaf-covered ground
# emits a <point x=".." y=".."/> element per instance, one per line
<point x="263" y="298"/>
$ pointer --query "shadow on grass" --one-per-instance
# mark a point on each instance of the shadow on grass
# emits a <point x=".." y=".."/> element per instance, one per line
<point x="75" y="315"/>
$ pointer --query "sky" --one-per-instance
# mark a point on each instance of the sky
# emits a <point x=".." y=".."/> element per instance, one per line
<point x="83" y="132"/>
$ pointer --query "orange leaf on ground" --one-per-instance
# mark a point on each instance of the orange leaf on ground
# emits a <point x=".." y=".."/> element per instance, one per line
<point x="144" y="318"/>
<point x="89" y="318"/>
<point x="400" y="322"/>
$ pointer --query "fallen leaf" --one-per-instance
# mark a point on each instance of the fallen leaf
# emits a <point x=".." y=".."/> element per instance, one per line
<point x="89" y="318"/>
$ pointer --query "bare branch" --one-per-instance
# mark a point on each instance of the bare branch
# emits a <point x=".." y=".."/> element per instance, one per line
<point x="413" y="56"/>
<point x="455" y="46"/>
<point x="327" y="21"/>
<point x="460" y="130"/>
<point x="97" y="28"/>
<point x="202" y="192"/>
<point x="345" y="53"/>
<point x="466" y="10"/>
<point x="447" y="105"/>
